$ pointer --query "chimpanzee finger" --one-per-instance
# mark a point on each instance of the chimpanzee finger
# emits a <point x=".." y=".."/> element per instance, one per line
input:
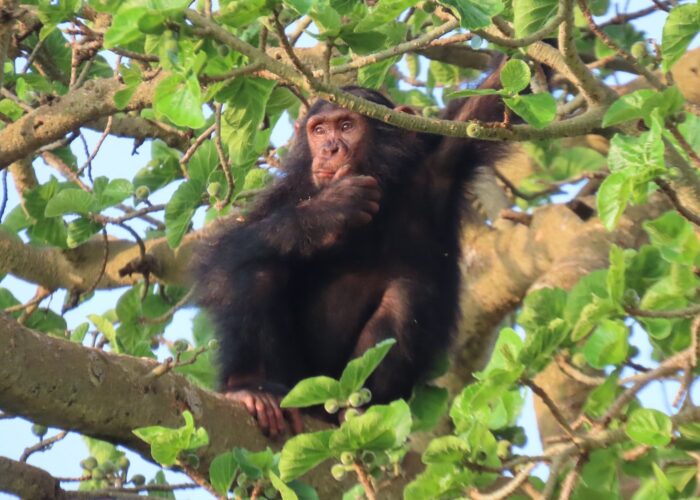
<point x="275" y="416"/>
<point x="294" y="416"/>
<point x="279" y="414"/>
<point x="261" y="415"/>
<point x="359" y="218"/>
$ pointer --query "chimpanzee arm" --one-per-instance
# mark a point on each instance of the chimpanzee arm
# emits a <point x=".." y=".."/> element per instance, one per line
<point x="420" y="317"/>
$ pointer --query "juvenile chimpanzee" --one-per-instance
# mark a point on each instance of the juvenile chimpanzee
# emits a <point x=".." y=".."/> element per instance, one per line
<point x="356" y="243"/>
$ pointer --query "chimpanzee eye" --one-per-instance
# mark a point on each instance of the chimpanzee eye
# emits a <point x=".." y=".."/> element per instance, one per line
<point x="318" y="130"/>
<point x="346" y="125"/>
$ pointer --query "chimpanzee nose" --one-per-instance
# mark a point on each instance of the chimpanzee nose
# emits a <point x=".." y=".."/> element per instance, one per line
<point x="331" y="148"/>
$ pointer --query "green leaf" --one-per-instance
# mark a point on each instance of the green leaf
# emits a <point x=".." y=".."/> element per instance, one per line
<point x="515" y="76"/>
<point x="475" y="14"/>
<point x="607" y="345"/>
<point x="445" y="449"/>
<point x="613" y="195"/>
<point x="111" y="193"/>
<point x="74" y="201"/>
<point x="285" y="491"/>
<point x="203" y="162"/>
<point x="300" y="6"/>
<point x="675" y="238"/>
<point x="382" y="13"/>
<point x="80" y="230"/>
<point x="312" y="391"/>
<point x="650" y="427"/>
<point x="381" y="427"/>
<point x="600" y="398"/>
<point x="359" y="369"/>
<point x="537" y="109"/>
<point x="247" y="98"/>
<point x="681" y="26"/>
<point x="180" y="100"/>
<point x="180" y="209"/>
<point x="373" y="76"/>
<point x="304" y="452"/>
<point x="616" y="273"/>
<point x="106" y="328"/>
<point x="531" y="15"/>
<point x="167" y="443"/>
<point x="222" y="472"/>
<point x="79" y="332"/>
<point x="641" y="104"/>
<point x="124" y="28"/>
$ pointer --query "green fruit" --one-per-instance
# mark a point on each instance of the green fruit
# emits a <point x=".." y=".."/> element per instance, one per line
<point x="519" y="438"/>
<point x="331" y="406"/>
<point x="213" y="345"/>
<point x="639" y="50"/>
<point x="429" y="7"/>
<point x="351" y="413"/>
<point x="138" y="480"/>
<point x="368" y="457"/>
<point x="142" y="192"/>
<point x="98" y="474"/>
<point x="347" y="458"/>
<point x="270" y="492"/>
<point x="108" y="467"/>
<point x="476" y="42"/>
<point x="366" y="395"/>
<point x="240" y="492"/>
<point x="338" y="472"/>
<point x="123" y="463"/>
<point x="242" y="479"/>
<point x="214" y="189"/>
<point x="39" y="430"/>
<point x="355" y="399"/>
<point x="89" y="463"/>
<point x="222" y="50"/>
<point x="630" y="298"/>
<point x="181" y="345"/>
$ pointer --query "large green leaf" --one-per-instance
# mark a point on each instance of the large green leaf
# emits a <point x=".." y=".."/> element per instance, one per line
<point x="474" y="14"/>
<point x="650" y="427"/>
<point x="302" y="453"/>
<point x="180" y="209"/>
<point x="682" y="25"/>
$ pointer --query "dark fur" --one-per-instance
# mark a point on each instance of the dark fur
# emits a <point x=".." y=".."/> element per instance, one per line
<point x="286" y="307"/>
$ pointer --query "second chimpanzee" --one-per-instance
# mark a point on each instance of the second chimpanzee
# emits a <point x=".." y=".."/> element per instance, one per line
<point x="356" y="243"/>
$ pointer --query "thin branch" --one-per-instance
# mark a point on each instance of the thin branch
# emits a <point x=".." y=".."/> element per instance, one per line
<point x="508" y="489"/>
<point x="552" y="406"/>
<point x="193" y="148"/>
<point x="671" y="193"/>
<point x="224" y="162"/>
<point x="572" y="477"/>
<point x="42" y="445"/>
<point x="688" y="312"/>
<point x="289" y="50"/>
<point x="538" y="35"/>
<point x="100" y="141"/>
<point x="685" y="145"/>
<point x="363" y="478"/>
<point x="625" y="18"/>
<point x="613" y="45"/>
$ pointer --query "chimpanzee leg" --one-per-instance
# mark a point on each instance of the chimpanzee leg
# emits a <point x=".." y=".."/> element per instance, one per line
<point x="411" y="312"/>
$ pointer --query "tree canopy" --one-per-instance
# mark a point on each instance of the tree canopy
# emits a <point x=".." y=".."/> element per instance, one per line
<point x="129" y="129"/>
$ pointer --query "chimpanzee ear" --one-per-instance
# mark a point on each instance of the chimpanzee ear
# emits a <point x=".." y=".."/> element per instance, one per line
<point x="405" y="109"/>
<point x="296" y="128"/>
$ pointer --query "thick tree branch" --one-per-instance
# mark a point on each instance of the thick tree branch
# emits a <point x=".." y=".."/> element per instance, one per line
<point x="52" y="121"/>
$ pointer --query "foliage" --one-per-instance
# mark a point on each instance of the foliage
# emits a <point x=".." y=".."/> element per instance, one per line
<point x="610" y="299"/>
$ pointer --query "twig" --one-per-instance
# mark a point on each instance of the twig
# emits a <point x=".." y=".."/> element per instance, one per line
<point x="554" y="470"/>
<point x="223" y="160"/>
<point x="363" y="478"/>
<point x="576" y="374"/>
<point x="687" y="312"/>
<point x="625" y="18"/>
<point x="193" y="148"/>
<point x="170" y="313"/>
<point x="687" y="379"/>
<point x="551" y="405"/>
<point x="5" y="196"/>
<point x="613" y="45"/>
<point x="525" y="196"/>
<point x="102" y="138"/>
<point x="667" y="367"/>
<point x="40" y="295"/>
<point x="289" y="50"/>
<point x="508" y="489"/>
<point x="684" y="145"/>
<point x="42" y="445"/>
<point x="103" y="268"/>
<point x="676" y="202"/>
<point x="538" y="35"/>
<point x="299" y="29"/>
<point x="570" y="481"/>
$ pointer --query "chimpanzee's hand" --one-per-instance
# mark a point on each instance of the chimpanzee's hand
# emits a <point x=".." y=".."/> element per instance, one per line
<point x="265" y="407"/>
<point x="350" y="201"/>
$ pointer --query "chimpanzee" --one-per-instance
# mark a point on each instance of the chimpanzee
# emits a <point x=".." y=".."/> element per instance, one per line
<point x="357" y="242"/>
